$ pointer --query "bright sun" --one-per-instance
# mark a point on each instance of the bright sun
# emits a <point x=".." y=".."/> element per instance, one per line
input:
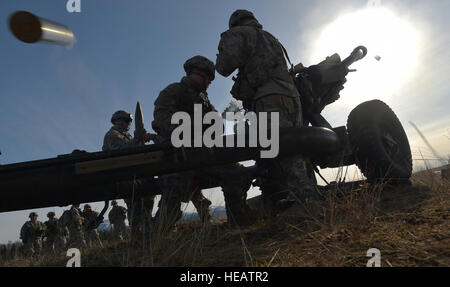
<point x="392" y="58"/>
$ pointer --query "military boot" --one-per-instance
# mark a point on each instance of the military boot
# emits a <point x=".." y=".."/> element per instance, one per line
<point x="240" y="215"/>
<point x="275" y="198"/>
<point x="204" y="212"/>
<point x="306" y="203"/>
<point x="168" y="214"/>
<point x="202" y="205"/>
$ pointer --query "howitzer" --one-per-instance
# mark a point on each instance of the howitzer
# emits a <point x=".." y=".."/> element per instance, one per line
<point x="97" y="176"/>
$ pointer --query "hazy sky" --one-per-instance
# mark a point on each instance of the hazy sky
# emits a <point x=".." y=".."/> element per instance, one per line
<point x="54" y="99"/>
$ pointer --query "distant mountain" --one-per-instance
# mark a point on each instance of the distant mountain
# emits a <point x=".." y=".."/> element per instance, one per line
<point x="219" y="211"/>
<point x="216" y="212"/>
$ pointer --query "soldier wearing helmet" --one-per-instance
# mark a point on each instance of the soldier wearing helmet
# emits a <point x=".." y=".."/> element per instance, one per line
<point x="31" y="234"/>
<point x="202" y="67"/>
<point x="73" y="221"/>
<point x="185" y="187"/>
<point x="90" y="218"/>
<point x="54" y="240"/>
<point x="117" y="217"/>
<point x="264" y="84"/>
<point x="118" y="137"/>
<point x="242" y="18"/>
<point x="182" y="96"/>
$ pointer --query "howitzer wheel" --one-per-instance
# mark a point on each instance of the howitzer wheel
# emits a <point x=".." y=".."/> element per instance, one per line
<point x="379" y="142"/>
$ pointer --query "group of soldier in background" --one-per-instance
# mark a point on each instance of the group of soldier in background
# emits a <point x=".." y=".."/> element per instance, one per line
<point x="75" y="228"/>
<point x="264" y="84"/>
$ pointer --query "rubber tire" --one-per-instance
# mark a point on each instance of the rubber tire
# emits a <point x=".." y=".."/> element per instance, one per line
<point x="367" y="125"/>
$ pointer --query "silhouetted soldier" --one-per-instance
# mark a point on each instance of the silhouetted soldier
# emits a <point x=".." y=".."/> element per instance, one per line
<point x="117" y="217"/>
<point x="90" y="221"/>
<point x="31" y="234"/>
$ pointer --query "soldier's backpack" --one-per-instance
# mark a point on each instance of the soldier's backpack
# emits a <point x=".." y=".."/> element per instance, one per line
<point x="25" y="232"/>
<point x="66" y="219"/>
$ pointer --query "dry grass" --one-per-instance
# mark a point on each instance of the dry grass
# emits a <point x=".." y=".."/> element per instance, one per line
<point x="409" y="224"/>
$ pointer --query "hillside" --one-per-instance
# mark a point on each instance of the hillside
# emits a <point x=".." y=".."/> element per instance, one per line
<point x="409" y="224"/>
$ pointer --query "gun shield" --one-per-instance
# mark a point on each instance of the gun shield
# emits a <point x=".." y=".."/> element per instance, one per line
<point x="31" y="29"/>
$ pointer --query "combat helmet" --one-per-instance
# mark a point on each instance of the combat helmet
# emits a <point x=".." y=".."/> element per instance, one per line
<point x="32" y="214"/>
<point x="86" y="206"/>
<point x="50" y="214"/>
<point x="121" y="115"/>
<point x="201" y="63"/>
<point x="239" y="15"/>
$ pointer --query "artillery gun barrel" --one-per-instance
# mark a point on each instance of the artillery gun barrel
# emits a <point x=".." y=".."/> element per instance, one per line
<point x="357" y="54"/>
<point x="89" y="177"/>
<point x="31" y="29"/>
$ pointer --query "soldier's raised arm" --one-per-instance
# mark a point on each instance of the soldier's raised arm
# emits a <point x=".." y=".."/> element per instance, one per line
<point x="232" y="52"/>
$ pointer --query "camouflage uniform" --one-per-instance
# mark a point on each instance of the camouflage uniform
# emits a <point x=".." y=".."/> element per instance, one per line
<point x="264" y="84"/>
<point x="117" y="217"/>
<point x="31" y="234"/>
<point x="117" y="139"/>
<point x="75" y="226"/>
<point x="91" y="234"/>
<point x="182" y="187"/>
<point x="139" y="208"/>
<point x="54" y="239"/>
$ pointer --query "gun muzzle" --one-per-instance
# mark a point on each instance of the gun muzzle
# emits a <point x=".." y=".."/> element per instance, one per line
<point x="357" y="54"/>
<point x="31" y="29"/>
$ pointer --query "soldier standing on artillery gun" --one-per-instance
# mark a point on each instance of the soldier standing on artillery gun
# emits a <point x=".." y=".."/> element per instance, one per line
<point x="91" y="234"/>
<point x="182" y="187"/>
<point x="31" y="234"/>
<point x="117" y="217"/>
<point x="54" y="234"/>
<point x="265" y="85"/>
<point x="118" y="137"/>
